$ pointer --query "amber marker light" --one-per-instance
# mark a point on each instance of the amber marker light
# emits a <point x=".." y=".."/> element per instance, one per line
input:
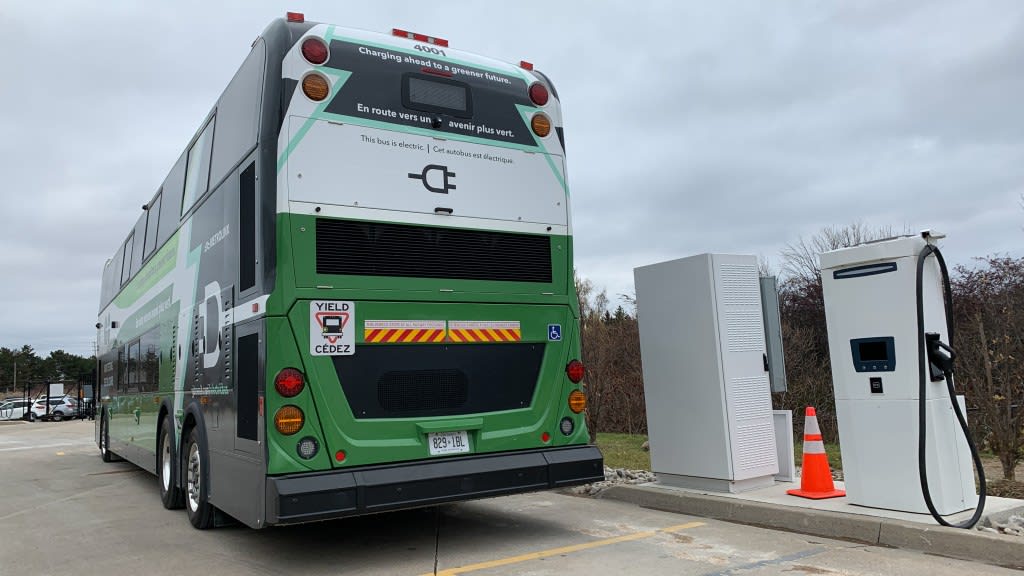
<point x="315" y="87"/>
<point x="289" y="420"/>
<point x="541" y="125"/>
<point x="577" y="401"/>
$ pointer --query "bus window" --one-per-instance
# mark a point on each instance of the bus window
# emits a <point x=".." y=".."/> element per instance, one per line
<point x="140" y="233"/>
<point x="127" y="259"/>
<point x="197" y="172"/>
<point x="134" y="366"/>
<point x="173" y="187"/>
<point x="150" y="359"/>
<point x="152" y="224"/>
<point x="238" y="116"/>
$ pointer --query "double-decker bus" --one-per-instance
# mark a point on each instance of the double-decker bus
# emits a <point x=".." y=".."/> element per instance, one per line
<point x="354" y="291"/>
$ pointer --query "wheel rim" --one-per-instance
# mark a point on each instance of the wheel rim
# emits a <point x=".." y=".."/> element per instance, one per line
<point x="165" y="462"/>
<point x="194" y="471"/>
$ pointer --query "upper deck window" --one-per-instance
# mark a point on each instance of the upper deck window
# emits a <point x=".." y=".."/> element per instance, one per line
<point x="197" y="172"/>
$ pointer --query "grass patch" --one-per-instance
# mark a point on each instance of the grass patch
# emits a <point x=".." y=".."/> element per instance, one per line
<point x="624" y="450"/>
<point x="835" y="461"/>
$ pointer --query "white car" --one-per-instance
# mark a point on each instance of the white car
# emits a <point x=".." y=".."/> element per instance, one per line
<point x="14" y="409"/>
<point x="61" y="407"/>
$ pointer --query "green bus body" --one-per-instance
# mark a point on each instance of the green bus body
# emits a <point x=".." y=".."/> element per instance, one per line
<point x="445" y="377"/>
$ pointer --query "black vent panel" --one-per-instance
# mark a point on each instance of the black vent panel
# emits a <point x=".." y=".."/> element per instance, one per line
<point x="419" y="390"/>
<point x="399" y="380"/>
<point x="377" y="249"/>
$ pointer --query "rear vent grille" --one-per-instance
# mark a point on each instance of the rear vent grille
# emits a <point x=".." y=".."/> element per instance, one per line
<point x="375" y="249"/>
<point x="418" y="390"/>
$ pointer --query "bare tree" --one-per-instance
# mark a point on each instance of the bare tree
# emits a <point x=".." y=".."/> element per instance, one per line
<point x="802" y="309"/>
<point x="610" y="349"/>
<point x="989" y="312"/>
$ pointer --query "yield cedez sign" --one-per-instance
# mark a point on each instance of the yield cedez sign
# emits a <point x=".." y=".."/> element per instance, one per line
<point x="331" y="328"/>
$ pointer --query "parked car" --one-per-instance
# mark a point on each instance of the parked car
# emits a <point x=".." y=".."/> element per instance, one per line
<point x="14" y="408"/>
<point x="61" y="407"/>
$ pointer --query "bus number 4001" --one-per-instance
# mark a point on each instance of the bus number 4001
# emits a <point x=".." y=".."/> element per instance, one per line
<point x="430" y="49"/>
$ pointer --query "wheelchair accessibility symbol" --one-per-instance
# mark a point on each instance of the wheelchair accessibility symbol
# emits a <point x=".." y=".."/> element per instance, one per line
<point x="555" y="332"/>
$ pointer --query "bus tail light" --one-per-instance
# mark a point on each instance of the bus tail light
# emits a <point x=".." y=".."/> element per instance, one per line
<point x="577" y="401"/>
<point x="419" y="37"/>
<point x="525" y="65"/>
<point x="545" y="437"/>
<point x="575" y="371"/>
<point x="315" y="87"/>
<point x="314" y="50"/>
<point x="539" y="94"/>
<point x="289" y="420"/>
<point x="289" y="382"/>
<point x="340" y="456"/>
<point x="541" y="125"/>
<point x="296" y="17"/>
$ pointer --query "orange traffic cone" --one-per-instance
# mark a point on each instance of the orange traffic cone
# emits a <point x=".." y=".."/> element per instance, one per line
<point x="815" y="476"/>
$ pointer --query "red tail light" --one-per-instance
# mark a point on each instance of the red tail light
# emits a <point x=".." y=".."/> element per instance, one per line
<point x="314" y="50"/>
<point x="539" y="94"/>
<point x="289" y="382"/>
<point x="575" y="371"/>
<point x="296" y="17"/>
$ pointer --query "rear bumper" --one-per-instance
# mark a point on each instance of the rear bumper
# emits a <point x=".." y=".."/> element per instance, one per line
<point x="323" y="495"/>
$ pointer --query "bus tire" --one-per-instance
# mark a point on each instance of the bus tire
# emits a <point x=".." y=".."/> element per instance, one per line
<point x="105" y="452"/>
<point x="197" y="481"/>
<point x="170" y="493"/>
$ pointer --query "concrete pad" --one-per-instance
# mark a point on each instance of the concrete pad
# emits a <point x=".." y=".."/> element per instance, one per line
<point x="776" y="494"/>
<point x="771" y="507"/>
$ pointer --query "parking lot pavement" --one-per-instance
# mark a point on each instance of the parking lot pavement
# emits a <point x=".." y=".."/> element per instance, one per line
<point x="63" y="511"/>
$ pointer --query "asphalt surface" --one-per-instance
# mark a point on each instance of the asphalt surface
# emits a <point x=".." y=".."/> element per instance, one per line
<point x="63" y="511"/>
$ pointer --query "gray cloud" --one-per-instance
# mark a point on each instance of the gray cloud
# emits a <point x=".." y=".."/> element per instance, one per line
<point x="691" y="127"/>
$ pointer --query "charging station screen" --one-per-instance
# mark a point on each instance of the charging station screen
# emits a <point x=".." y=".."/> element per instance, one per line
<point x="873" y="351"/>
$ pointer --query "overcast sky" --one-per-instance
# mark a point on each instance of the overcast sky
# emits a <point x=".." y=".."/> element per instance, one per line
<point x="690" y="126"/>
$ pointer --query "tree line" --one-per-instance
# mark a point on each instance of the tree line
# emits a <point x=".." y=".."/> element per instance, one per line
<point x="988" y="311"/>
<point x="36" y="371"/>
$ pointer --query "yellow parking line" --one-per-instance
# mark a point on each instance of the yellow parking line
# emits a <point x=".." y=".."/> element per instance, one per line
<point x="563" y="550"/>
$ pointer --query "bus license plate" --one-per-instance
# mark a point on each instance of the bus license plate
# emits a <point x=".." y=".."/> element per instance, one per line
<point x="448" y="442"/>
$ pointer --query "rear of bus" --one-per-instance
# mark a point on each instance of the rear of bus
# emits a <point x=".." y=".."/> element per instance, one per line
<point x="422" y="335"/>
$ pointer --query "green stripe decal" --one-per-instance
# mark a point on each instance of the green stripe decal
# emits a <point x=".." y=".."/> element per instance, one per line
<point x="342" y="77"/>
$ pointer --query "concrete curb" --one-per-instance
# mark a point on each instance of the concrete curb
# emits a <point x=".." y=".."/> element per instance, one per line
<point x="998" y="549"/>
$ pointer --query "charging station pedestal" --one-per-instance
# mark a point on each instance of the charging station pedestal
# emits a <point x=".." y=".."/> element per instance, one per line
<point x="709" y="408"/>
<point x="871" y="313"/>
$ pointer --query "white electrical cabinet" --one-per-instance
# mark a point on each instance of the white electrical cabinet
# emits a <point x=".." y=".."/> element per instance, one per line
<point x="709" y="412"/>
<point x="871" y="311"/>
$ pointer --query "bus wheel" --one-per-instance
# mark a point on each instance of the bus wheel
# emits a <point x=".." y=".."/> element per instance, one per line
<point x="105" y="452"/>
<point x="170" y="493"/>
<point x="197" y="485"/>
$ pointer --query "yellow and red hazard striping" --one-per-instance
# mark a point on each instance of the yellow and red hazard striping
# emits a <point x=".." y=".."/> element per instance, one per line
<point x="484" y="335"/>
<point x="432" y="331"/>
<point x="402" y="335"/>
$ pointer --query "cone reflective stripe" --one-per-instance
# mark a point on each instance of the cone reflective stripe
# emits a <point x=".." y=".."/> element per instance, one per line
<point x="815" y="475"/>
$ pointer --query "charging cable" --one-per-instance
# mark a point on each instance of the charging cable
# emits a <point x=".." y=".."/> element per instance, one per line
<point x="940" y="358"/>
